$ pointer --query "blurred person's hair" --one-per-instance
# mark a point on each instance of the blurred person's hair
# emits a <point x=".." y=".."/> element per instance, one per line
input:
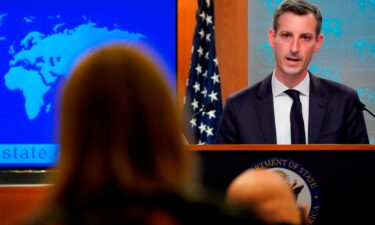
<point x="120" y="129"/>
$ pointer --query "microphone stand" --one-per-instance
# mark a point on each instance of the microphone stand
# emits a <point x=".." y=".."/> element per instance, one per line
<point x="205" y="108"/>
<point x="363" y="107"/>
<point x="372" y="114"/>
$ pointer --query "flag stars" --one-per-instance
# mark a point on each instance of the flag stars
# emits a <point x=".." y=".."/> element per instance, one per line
<point x="209" y="131"/>
<point x="207" y="55"/>
<point x="211" y="114"/>
<point x="200" y="51"/>
<point x="198" y="68"/>
<point x="213" y="96"/>
<point x="208" y="37"/>
<point x="201" y="33"/>
<point x="195" y="104"/>
<point x="215" y="78"/>
<point x="204" y="92"/>
<point x="202" y="128"/>
<point x="193" y="122"/>
<point x="216" y="61"/>
<point x="208" y="20"/>
<point x="208" y="3"/>
<point x="205" y="74"/>
<point x="202" y="15"/>
<point x="197" y="87"/>
<point x="204" y="84"/>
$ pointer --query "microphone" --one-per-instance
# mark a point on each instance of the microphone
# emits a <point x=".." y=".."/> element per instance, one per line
<point x="188" y="133"/>
<point x="206" y="108"/>
<point x="362" y="106"/>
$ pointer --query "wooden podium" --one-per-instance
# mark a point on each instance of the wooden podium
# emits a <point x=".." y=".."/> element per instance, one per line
<point x="339" y="178"/>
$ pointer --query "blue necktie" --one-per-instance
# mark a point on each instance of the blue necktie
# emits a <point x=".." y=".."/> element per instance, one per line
<point x="296" y="120"/>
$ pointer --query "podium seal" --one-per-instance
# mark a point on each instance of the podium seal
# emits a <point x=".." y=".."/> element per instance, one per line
<point x="301" y="181"/>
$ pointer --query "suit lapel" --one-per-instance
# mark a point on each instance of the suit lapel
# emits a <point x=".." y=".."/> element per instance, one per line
<point x="316" y="108"/>
<point x="264" y="110"/>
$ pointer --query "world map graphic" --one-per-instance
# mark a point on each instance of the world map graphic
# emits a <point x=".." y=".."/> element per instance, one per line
<point x="44" y="58"/>
<point x="41" y="41"/>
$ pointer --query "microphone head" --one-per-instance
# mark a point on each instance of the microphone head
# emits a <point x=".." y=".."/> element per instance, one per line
<point x="360" y="105"/>
<point x="208" y="107"/>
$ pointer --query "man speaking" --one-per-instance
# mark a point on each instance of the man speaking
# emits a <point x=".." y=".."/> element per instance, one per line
<point x="291" y="105"/>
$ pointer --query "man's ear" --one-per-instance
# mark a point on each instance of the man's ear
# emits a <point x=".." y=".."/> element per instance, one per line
<point x="319" y="42"/>
<point x="271" y="37"/>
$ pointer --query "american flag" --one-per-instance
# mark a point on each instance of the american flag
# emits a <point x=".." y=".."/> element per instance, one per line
<point x="203" y="85"/>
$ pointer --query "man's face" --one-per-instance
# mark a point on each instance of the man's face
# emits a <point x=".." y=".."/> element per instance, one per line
<point x="294" y="45"/>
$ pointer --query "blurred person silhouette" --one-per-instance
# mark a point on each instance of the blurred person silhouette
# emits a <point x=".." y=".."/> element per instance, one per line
<point x="268" y="195"/>
<point x="122" y="158"/>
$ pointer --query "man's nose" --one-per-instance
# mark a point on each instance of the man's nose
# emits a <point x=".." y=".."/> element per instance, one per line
<point x="295" y="46"/>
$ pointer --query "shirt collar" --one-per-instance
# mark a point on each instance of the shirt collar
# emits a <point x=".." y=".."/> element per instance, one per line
<point x="278" y="88"/>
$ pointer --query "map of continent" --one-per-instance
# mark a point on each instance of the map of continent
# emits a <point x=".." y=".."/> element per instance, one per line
<point x="44" y="58"/>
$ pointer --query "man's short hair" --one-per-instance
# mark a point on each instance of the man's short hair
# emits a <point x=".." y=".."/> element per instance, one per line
<point x="298" y="7"/>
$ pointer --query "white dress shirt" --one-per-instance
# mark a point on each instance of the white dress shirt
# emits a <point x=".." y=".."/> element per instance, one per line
<point x="282" y="104"/>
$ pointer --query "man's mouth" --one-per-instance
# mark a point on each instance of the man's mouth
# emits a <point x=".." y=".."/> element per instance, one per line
<point x="293" y="59"/>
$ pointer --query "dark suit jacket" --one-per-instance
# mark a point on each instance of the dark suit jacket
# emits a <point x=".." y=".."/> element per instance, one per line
<point x="335" y="115"/>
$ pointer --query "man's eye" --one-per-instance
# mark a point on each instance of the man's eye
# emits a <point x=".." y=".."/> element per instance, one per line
<point x="307" y="38"/>
<point x="285" y="35"/>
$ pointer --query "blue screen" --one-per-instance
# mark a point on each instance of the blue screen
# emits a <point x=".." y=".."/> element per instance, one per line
<point x="40" y="41"/>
